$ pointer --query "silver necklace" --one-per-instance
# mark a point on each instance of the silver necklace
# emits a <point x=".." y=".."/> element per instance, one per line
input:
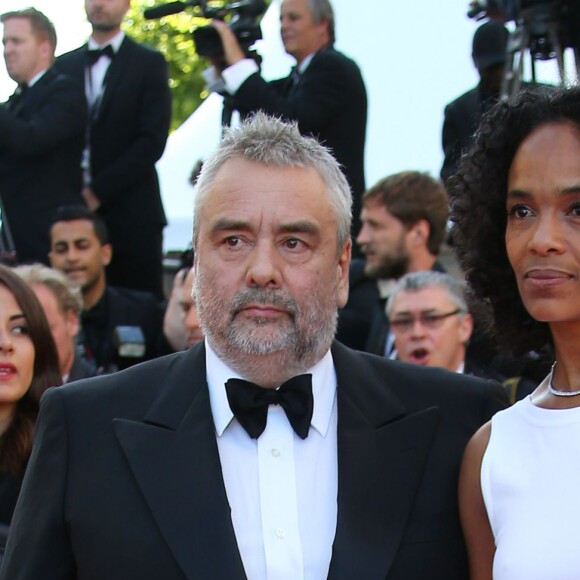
<point x="558" y="392"/>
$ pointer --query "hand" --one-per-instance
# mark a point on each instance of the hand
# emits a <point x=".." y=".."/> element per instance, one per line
<point x="92" y="201"/>
<point x="232" y="50"/>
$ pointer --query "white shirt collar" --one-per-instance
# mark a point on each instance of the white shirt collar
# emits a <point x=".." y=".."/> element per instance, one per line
<point x="115" y="42"/>
<point x="36" y="78"/>
<point x="304" y="64"/>
<point x="323" y="390"/>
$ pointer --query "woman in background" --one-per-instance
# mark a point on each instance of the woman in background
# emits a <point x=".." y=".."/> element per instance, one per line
<point x="28" y="366"/>
<point x="516" y="208"/>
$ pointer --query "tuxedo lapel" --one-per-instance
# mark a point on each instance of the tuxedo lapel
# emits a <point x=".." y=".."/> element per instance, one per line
<point x="174" y="458"/>
<point x="381" y="455"/>
<point x="119" y="66"/>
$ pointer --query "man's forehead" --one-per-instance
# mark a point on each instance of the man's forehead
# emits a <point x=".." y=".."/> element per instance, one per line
<point x="72" y="231"/>
<point x="377" y="207"/>
<point x="424" y="300"/>
<point x="295" y="6"/>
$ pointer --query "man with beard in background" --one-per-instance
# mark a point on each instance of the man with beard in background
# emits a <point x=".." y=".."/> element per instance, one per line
<point x="268" y="450"/>
<point x="404" y="218"/>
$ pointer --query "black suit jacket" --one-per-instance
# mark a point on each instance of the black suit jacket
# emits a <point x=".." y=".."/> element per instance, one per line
<point x="461" y="119"/>
<point x="120" y="307"/>
<point x="125" y="478"/>
<point x="329" y="101"/>
<point x="129" y="134"/>
<point x="41" y="142"/>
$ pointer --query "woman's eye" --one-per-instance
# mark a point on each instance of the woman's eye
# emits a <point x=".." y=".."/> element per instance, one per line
<point x="519" y="211"/>
<point x="20" y="329"/>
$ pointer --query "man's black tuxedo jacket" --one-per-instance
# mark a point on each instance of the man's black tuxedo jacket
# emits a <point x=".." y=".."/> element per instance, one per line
<point x="125" y="479"/>
<point x="129" y="134"/>
<point x="41" y="143"/>
<point x="328" y="101"/>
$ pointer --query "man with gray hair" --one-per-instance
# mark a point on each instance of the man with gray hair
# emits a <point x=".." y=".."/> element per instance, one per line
<point x="268" y="451"/>
<point x="429" y="317"/>
<point x="62" y="304"/>
<point x="325" y="93"/>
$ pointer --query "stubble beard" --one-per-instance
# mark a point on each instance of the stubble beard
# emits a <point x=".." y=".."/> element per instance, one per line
<point x="390" y="267"/>
<point x="267" y="351"/>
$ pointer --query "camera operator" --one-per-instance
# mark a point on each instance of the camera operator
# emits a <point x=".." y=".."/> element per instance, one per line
<point x="462" y="115"/>
<point x="325" y="92"/>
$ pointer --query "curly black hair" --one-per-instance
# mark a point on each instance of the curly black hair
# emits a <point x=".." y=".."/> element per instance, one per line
<point x="478" y="195"/>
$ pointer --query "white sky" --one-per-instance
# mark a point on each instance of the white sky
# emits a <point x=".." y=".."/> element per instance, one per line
<point x="415" y="56"/>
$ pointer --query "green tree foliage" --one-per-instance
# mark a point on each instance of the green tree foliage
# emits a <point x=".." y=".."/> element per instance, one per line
<point x="172" y="36"/>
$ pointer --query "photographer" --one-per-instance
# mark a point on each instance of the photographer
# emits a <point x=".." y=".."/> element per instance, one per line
<point x="325" y="92"/>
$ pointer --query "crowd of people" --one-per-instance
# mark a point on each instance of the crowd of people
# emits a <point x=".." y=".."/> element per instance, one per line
<point x="336" y="384"/>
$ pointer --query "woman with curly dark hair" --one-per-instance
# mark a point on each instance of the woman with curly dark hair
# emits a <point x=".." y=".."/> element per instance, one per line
<point x="516" y="207"/>
<point x="28" y="366"/>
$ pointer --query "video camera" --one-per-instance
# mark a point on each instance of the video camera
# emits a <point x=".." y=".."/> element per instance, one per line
<point x="538" y="16"/>
<point x="243" y="20"/>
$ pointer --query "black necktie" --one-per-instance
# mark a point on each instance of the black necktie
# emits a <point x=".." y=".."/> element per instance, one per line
<point x="249" y="404"/>
<point x="15" y="101"/>
<point x="95" y="55"/>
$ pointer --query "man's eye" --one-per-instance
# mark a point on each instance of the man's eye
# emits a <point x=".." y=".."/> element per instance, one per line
<point x="233" y="241"/>
<point x="292" y="243"/>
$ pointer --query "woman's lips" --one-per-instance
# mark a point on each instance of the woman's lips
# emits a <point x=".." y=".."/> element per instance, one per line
<point x="7" y="371"/>
<point x="546" y="278"/>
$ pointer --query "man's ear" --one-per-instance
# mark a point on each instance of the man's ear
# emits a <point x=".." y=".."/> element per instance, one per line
<point x="72" y="323"/>
<point x="342" y="271"/>
<point x="466" y="328"/>
<point x="106" y="253"/>
<point x="420" y="231"/>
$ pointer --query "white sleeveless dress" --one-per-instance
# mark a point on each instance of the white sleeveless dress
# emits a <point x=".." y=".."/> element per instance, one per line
<point x="530" y="480"/>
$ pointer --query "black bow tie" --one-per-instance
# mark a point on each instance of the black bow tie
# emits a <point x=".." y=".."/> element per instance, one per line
<point x="95" y="55"/>
<point x="249" y="404"/>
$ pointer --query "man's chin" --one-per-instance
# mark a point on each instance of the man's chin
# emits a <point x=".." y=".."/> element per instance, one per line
<point x="104" y="26"/>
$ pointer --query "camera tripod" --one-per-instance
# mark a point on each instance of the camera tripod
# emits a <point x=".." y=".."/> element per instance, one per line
<point x="540" y="33"/>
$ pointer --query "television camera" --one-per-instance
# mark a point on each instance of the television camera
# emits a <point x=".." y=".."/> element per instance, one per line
<point x="544" y="29"/>
<point x="243" y="18"/>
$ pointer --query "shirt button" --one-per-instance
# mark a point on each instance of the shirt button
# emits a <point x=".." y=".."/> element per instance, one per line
<point x="280" y="533"/>
<point x="275" y="453"/>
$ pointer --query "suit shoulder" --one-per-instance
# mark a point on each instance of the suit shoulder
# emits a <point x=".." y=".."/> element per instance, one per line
<point x="338" y="62"/>
<point x="468" y="98"/>
<point x="70" y="56"/>
<point x="335" y="56"/>
<point x="136" y="386"/>
<point x="435" y="383"/>
<point x="144" y="50"/>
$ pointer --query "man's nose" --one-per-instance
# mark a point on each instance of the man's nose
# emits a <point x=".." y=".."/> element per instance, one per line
<point x="264" y="266"/>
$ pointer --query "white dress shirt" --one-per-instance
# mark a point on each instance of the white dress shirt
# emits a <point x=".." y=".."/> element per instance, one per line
<point x="95" y="77"/>
<point x="236" y="74"/>
<point x="282" y="490"/>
